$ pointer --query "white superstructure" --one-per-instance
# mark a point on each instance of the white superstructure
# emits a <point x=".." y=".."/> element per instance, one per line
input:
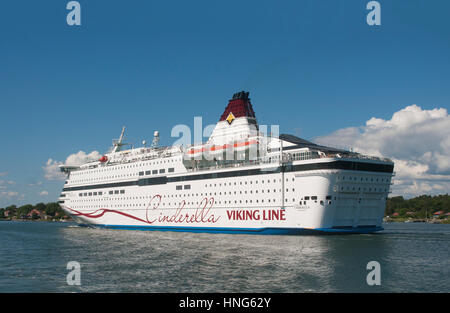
<point x="238" y="181"/>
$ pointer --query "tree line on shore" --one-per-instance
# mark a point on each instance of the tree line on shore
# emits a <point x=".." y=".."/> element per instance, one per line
<point x="419" y="207"/>
<point x="40" y="211"/>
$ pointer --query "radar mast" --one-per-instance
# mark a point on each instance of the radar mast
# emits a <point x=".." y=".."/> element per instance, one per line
<point x="118" y="143"/>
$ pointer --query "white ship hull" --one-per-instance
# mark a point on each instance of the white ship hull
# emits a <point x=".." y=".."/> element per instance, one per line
<point x="245" y="204"/>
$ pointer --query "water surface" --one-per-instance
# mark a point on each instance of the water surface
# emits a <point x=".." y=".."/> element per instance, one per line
<point x="414" y="257"/>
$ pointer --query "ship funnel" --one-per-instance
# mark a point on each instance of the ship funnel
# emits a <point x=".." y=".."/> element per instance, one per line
<point x="237" y="122"/>
<point x="238" y="106"/>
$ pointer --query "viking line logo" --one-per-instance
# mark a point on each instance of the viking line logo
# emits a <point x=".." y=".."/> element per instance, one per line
<point x="230" y="118"/>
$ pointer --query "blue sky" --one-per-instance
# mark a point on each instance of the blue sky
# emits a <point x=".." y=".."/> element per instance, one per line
<point x="313" y="67"/>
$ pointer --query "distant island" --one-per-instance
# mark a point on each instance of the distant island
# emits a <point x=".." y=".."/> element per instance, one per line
<point x="43" y="212"/>
<point x="423" y="208"/>
<point x="435" y="209"/>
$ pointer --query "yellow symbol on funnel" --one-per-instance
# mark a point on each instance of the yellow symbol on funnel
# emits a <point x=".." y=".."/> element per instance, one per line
<point x="230" y="118"/>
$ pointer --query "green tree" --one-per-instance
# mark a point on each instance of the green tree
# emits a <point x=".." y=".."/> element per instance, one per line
<point x="24" y="210"/>
<point x="52" y="208"/>
<point x="424" y="205"/>
<point x="40" y="207"/>
<point x="12" y="209"/>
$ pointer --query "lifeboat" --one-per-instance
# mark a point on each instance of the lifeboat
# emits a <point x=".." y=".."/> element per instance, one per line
<point x="220" y="148"/>
<point x="103" y="159"/>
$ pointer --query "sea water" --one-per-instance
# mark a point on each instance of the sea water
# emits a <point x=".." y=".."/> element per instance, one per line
<point x="413" y="257"/>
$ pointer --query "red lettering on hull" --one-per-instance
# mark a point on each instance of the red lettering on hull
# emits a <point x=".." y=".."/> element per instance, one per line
<point x="255" y="215"/>
<point x="201" y="214"/>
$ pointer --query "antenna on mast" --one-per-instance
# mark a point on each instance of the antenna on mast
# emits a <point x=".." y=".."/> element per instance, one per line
<point x="117" y="143"/>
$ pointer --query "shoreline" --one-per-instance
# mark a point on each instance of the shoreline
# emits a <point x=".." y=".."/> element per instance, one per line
<point x="416" y="220"/>
<point x="36" y="220"/>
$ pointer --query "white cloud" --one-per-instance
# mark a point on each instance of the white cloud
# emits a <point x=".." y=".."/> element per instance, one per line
<point x="43" y="193"/>
<point x="81" y="157"/>
<point x="6" y="182"/>
<point x="417" y="140"/>
<point x="8" y="194"/>
<point x="4" y="192"/>
<point x="39" y="183"/>
<point x="52" y="171"/>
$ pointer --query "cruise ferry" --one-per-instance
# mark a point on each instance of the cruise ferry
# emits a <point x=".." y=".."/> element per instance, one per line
<point x="239" y="181"/>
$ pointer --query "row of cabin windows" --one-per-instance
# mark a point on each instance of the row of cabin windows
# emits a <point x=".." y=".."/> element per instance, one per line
<point x="88" y="194"/>
<point x="303" y="199"/>
<point x="153" y="172"/>
<point x="364" y="189"/>
<point x="99" y="193"/>
<point x="353" y="178"/>
<point x="115" y="167"/>
<point x="207" y="194"/>
<point x="176" y="204"/>
<point x="185" y="187"/>
<point x="226" y="202"/>
<point x="74" y="181"/>
<point x="245" y="182"/>
<point x="113" y="199"/>
<point x="149" y="172"/>
<point x="201" y="194"/>
<point x="179" y="187"/>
